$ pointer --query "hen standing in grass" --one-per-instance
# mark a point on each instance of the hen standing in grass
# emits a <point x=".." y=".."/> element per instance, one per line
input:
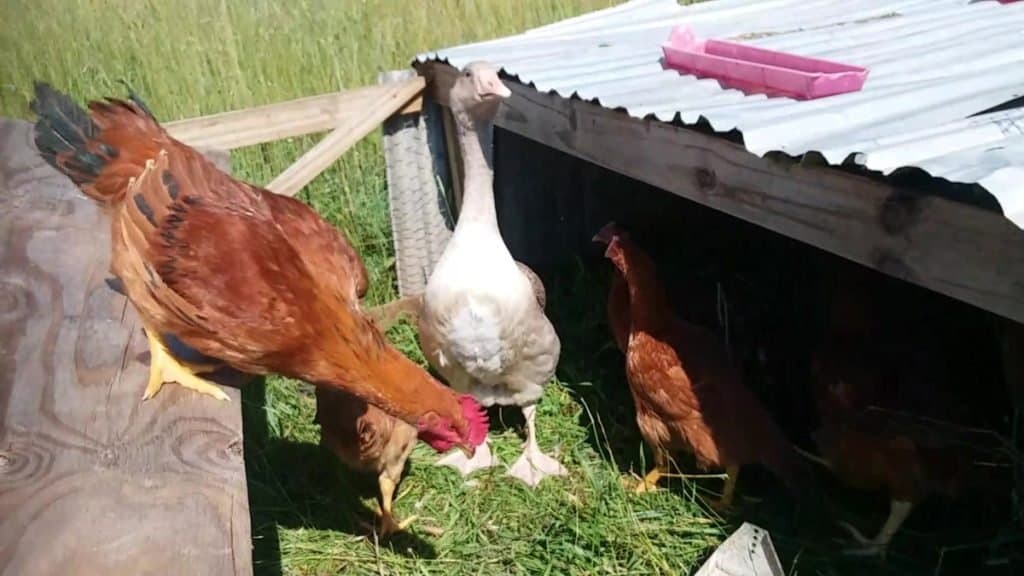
<point x="367" y="439"/>
<point x="482" y="326"/>
<point x="250" y="278"/>
<point x="688" y="394"/>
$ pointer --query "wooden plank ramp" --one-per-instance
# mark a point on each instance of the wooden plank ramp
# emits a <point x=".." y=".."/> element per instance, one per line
<point x="92" y="479"/>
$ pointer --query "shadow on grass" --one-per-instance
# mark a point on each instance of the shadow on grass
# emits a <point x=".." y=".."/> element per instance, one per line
<point x="301" y="485"/>
<point x="591" y="366"/>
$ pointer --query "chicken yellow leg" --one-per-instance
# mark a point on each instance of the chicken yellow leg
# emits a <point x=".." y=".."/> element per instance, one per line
<point x="163" y="367"/>
<point x="649" y="483"/>
<point x="387" y="517"/>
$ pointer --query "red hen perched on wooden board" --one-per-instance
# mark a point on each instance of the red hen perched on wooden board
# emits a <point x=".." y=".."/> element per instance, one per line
<point x="247" y="277"/>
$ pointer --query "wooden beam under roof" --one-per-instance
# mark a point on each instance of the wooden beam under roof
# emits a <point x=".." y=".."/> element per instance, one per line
<point x="973" y="255"/>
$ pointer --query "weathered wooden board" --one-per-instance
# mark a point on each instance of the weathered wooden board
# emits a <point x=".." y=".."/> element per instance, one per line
<point x="958" y="250"/>
<point x="351" y="128"/>
<point x="239" y="128"/>
<point x="92" y="479"/>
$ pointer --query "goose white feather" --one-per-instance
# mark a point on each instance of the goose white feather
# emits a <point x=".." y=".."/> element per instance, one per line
<point x="481" y="326"/>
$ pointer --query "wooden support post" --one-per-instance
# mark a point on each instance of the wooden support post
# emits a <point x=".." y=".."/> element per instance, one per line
<point x="454" y="155"/>
<point x="357" y="123"/>
<point x="1012" y="345"/>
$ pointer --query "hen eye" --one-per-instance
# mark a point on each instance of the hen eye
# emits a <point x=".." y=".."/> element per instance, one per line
<point x="467" y="74"/>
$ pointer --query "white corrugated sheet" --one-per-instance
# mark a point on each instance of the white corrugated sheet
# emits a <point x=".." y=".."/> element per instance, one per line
<point x="934" y="65"/>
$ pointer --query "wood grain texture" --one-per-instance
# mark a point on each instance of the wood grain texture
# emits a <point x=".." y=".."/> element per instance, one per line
<point x="261" y="124"/>
<point x="351" y="128"/>
<point x="967" y="253"/>
<point x="92" y="479"/>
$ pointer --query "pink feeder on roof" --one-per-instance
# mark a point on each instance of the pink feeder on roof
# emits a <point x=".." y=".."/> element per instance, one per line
<point x="758" y="70"/>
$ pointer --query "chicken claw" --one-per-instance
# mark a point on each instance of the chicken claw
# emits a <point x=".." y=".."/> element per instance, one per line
<point x="466" y="466"/>
<point x="164" y="367"/>
<point x="388" y="525"/>
<point x="648" y="483"/>
<point x="879" y="545"/>
<point x="534" y="465"/>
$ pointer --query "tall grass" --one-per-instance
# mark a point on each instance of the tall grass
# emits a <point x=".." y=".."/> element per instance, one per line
<point x="193" y="57"/>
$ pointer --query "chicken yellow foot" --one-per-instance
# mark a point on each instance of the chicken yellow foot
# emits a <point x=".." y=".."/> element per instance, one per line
<point x="648" y="483"/>
<point x="388" y="524"/>
<point x="164" y="367"/>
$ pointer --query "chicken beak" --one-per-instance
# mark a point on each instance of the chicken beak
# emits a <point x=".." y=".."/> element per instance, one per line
<point x="469" y="452"/>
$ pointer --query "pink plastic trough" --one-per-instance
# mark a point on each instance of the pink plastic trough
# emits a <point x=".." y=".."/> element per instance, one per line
<point x="757" y="70"/>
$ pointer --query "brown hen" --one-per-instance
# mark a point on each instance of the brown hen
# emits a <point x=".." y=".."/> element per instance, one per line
<point x="367" y="439"/>
<point x="882" y="407"/>
<point x="687" y="392"/>
<point x="253" y="279"/>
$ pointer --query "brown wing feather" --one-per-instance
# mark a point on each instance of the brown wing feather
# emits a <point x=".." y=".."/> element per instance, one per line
<point x="202" y="257"/>
<point x="669" y="410"/>
<point x="211" y="265"/>
<point x="682" y="374"/>
<point x="218" y="275"/>
<point x="326" y="249"/>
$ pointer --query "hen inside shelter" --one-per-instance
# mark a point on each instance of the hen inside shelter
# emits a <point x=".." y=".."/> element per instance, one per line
<point x="945" y="428"/>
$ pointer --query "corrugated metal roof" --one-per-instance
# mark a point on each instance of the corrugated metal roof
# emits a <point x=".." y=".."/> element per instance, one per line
<point x="933" y="65"/>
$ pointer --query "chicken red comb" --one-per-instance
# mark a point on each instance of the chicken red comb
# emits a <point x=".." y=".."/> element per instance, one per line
<point x="476" y="417"/>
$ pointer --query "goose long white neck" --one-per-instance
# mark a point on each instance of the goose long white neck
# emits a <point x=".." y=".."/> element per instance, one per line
<point x="475" y="139"/>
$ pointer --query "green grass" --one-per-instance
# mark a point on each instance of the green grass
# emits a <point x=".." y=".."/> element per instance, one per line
<point x="194" y="57"/>
<point x="310" y="507"/>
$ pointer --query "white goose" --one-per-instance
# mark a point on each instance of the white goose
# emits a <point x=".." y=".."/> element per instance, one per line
<point x="481" y="326"/>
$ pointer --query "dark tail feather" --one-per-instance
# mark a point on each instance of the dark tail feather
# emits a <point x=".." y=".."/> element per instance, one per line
<point x="184" y="352"/>
<point x="175" y="346"/>
<point x="115" y="284"/>
<point x="138" y="101"/>
<point x="66" y="138"/>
